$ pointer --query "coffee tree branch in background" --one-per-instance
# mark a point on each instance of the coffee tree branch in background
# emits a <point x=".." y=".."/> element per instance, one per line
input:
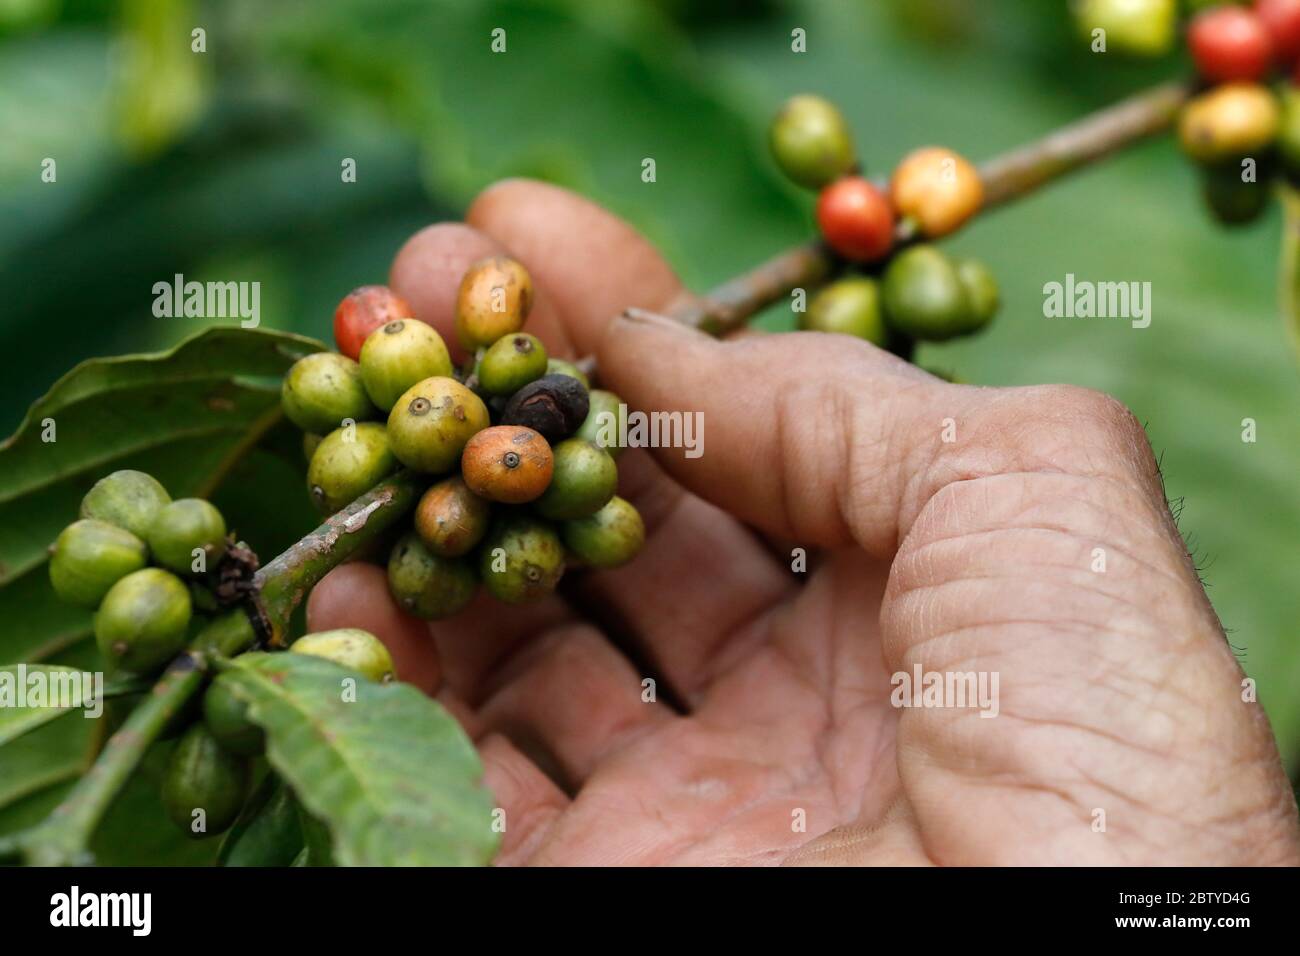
<point x="1005" y="178"/>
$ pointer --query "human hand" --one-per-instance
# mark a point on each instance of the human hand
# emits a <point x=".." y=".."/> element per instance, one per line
<point x="1119" y="699"/>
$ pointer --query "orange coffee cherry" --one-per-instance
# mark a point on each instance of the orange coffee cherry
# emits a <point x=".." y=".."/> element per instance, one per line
<point x="937" y="188"/>
<point x="507" y="463"/>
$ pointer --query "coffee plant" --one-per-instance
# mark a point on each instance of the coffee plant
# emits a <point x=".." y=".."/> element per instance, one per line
<point x="500" y="474"/>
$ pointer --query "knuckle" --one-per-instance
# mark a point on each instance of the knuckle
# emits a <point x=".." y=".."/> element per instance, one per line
<point x="1085" y="431"/>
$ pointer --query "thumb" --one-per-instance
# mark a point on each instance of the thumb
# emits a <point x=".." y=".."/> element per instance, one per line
<point x="808" y="436"/>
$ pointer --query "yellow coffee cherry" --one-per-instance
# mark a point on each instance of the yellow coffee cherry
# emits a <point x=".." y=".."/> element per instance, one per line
<point x="494" y="299"/>
<point x="1229" y="122"/>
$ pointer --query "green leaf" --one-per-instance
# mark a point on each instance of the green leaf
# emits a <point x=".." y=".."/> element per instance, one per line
<point x="267" y="832"/>
<point x="186" y="416"/>
<point x="22" y="711"/>
<point x="51" y="755"/>
<point x="160" y="80"/>
<point x="632" y="88"/>
<point x="383" y="766"/>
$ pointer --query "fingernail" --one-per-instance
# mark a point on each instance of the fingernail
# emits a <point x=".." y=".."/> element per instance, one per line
<point x="657" y="321"/>
<point x="646" y="317"/>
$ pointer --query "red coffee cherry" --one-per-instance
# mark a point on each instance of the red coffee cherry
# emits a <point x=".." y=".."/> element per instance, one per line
<point x="361" y="312"/>
<point x="1281" y="19"/>
<point x="1230" y="43"/>
<point x="856" y="219"/>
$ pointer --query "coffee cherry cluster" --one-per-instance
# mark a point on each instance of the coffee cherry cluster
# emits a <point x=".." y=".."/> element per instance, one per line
<point x="894" y="291"/>
<point x="522" y="448"/>
<point x="101" y="561"/>
<point x="1239" y="130"/>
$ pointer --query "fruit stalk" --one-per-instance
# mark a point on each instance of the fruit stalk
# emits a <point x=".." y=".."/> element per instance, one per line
<point x="282" y="584"/>
<point x="1005" y="178"/>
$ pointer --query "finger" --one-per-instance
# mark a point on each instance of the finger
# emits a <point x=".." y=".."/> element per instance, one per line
<point x="591" y="263"/>
<point x="427" y="273"/>
<point x="480" y="639"/>
<point x="530" y="800"/>
<point x="1120" y="667"/>
<point x="719" y="581"/>
<point x="356" y="595"/>
<point x="571" y="692"/>
<point x="814" y="438"/>
<point x="458" y="651"/>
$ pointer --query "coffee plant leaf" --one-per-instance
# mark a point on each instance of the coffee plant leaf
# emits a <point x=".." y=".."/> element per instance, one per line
<point x="22" y="711"/>
<point x="384" y="767"/>
<point x="188" y="416"/>
<point x="45" y="759"/>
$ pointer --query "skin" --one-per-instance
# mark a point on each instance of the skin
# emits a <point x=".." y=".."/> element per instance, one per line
<point x="1118" y="690"/>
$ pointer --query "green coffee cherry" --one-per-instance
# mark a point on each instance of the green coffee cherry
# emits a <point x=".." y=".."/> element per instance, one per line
<point x="142" y="622"/>
<point x="310" y="442"/>
<point x="511" y="363"/>
<point x="982" y="295"/>
<point x="923" y="295"/>
<point x="349" y="462"/>
<point x="350" y="647"/>
<point x="850" y="307"/>
<point x="561" y="367"/>
<point x="583" y="479"/>
<point x="610" y="537"/>
<point x="431" y="422"/>
<point x="1232" y="201"/>
<point x="521" y="560"/>
<point x="323" y="389"/>
<point x="1142" y="28"/>
<point x="267" y="831"/>
<point x="128" y="499"/>
<point x="427" y="585"/>
<point x="811" y="142"/>
<point x="183" y="527"/>
<point x="201" y="776"/>
<point x="226" y="714"/>
<point x="91" y="556"/>
<point x="604" y="423"/>
<point x="397" y="355"/>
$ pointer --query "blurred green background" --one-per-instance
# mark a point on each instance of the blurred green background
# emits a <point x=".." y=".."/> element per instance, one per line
<point x="226" y="165"/>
